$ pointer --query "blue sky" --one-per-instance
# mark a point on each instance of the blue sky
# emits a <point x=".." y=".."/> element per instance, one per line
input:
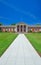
<point x="14" y="11"/>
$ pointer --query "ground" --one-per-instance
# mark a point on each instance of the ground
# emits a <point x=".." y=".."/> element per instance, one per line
<point x="35" y="39"/>
<point x="5" y="40"/>
<point x="20" y="52"/>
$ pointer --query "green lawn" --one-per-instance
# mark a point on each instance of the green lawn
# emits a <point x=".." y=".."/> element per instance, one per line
<point x="5" y="40"/>
<point x="35" y="39"/>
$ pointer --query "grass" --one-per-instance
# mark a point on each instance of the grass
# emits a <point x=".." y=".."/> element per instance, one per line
<point x="35" y="39"/>
<point x="5" y="40"/>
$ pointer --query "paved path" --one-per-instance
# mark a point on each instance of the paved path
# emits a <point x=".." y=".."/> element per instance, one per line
<point x="20" y="52"/>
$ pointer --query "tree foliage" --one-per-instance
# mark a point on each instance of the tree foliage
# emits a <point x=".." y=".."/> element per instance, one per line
<point x="0" y="24"/>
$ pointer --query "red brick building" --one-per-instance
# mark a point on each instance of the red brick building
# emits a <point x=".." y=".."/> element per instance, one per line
<point x="20" y="28"/>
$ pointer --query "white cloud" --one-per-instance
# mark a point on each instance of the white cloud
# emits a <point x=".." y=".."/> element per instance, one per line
<point x="17" y="9"/>
<point x="3" y="18"/>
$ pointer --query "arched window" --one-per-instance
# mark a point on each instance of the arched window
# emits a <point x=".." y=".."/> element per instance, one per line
<point x="24" y="28"/>
<point x="18" y="28"/>
<point x="21" y="28"/>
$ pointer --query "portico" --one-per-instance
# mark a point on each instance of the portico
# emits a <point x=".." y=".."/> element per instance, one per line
<point x="21" y="28"/>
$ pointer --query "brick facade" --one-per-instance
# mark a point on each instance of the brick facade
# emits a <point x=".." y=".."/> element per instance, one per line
<point x="20" y="28"/>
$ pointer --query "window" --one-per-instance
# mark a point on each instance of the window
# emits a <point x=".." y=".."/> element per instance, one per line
<point x="18" y="28"/>
<point x="0" y="28"/>
<point x="21" y="26"/>
<point x="24" y="28"/>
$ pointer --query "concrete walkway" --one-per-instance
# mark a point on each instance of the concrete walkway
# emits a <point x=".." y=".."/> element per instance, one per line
<point x="20" y="52"/>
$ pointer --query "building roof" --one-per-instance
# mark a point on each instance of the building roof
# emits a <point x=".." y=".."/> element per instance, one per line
<point x="7" y="26"/>
<point x="20" y="23"/>
<point x="34" y="26"/>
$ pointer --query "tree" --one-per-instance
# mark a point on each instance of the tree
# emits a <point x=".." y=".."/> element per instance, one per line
<point x="38" y="24"/>
<point x="13" y="24"/>
<point x="0" y="24"/>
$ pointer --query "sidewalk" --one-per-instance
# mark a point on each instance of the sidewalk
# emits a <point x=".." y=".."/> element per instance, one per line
<point x="20" y="52"/>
